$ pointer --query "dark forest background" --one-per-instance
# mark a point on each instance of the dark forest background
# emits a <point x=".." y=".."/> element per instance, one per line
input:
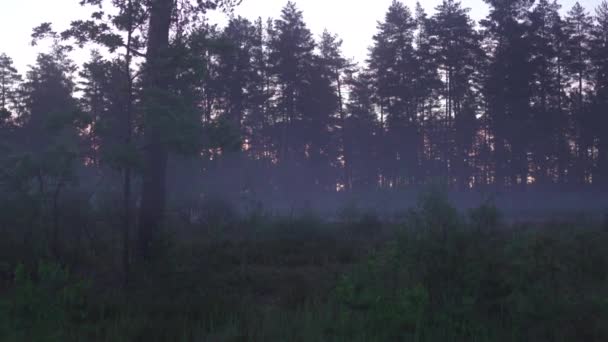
<point x="264" y="112"/>
<point x="516" y="101"/>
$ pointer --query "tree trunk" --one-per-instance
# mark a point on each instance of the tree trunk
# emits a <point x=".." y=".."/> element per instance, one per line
<point x="3" y="95"/>
<point x="55" y="232"/>
<point x="345" y="144"/>
<point x="126" y="252"/>
<point x="156" y="77"/>
<point x="603" y="162"/>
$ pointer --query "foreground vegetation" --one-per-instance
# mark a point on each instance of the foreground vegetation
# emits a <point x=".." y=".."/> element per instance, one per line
<point x="438" y="275"/>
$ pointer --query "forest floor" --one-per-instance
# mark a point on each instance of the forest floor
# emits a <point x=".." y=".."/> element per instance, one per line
<point x="439" y="275"/>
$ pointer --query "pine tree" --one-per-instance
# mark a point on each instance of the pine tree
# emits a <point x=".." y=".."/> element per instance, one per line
<point x="428" y="87"/>
<point x="361" y="128"/>
<point x="578" y="29"/>
<point x="549" y="121"/>
<point x="336" y="69"/>
<point x="9" y="83"/>
<point x="256" y="88"/>
<point x="261" y="91"/>
<point x="159" y="117"/>
<point x="50" y="149"/>
<point x="456" y="47"/>
<point x="239" y="65"/>
<point x="235" y="70"/>
<point x="291" y="60"/>
<point x="117" y="30"/>
<point x="393" y="65"/>
<point x="600" y="83"/>
<point x="102" y="87"/>
<point x="507" y="90"/>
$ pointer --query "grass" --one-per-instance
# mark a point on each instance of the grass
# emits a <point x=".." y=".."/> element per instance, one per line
<point x="438" y="275"/>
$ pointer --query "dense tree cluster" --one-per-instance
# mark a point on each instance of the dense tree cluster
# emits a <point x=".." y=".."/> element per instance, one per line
<point x="258" y="108"/>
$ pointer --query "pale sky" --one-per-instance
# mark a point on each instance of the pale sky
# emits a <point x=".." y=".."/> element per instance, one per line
<point x="353" y="20"/>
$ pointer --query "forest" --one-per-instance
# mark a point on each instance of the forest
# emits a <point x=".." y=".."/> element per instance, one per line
<point x="249" y="182"/>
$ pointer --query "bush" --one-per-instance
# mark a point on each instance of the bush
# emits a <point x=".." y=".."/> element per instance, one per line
<point x="452" y="278"/>
<point x="46" y="306"/>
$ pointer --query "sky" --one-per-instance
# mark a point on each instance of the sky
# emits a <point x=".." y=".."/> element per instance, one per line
<point x="353" y="20"/>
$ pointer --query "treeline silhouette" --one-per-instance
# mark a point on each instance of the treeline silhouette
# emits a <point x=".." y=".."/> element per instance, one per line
<point x="515" y="101"/>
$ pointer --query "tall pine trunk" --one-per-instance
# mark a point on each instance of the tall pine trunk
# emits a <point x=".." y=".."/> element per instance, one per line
<point x="156" y="76"/>
<point x="126" y="250"/>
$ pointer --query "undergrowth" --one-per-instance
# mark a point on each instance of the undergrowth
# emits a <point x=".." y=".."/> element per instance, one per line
<point x="437" y="275"/>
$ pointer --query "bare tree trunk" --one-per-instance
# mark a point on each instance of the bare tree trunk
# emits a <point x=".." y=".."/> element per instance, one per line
<point x="155" y="152"/>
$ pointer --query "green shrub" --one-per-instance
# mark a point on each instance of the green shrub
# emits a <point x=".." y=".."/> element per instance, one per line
<point x="450" y="277"/>
<point x="48" y="305"/>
